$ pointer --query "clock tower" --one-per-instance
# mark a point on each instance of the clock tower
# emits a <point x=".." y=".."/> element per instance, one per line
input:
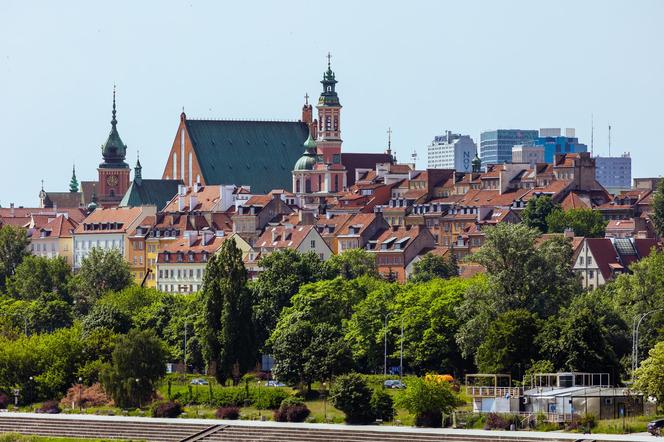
<point x="113" y="170"/>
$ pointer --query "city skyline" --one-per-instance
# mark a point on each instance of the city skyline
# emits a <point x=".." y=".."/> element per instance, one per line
<point x="57" y="103"/>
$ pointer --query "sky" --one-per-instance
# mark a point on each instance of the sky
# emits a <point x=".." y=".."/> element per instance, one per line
<point x="419" y="67"/>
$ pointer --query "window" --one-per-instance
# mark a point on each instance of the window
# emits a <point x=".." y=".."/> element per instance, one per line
<point x="591" y="273"/>
<point x="321" y="256"/>
<point x="590" y="260"/>
<point x="313" y="243"/>
<point x="581" y="260"/>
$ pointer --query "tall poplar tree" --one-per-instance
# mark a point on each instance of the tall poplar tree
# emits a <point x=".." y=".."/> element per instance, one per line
<point x="658" y="208"/>
<point x="229" y="338"/>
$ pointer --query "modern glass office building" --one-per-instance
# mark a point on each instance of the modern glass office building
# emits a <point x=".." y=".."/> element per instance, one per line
<point x="614" y="173"/>
<point x="496" y="145"/>
<point x="559" y="144"/>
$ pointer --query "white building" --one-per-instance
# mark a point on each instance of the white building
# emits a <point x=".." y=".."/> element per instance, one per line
<point x="452" y="151"/>
<point x="523" y="153"/>
<point x="107" y="229"/>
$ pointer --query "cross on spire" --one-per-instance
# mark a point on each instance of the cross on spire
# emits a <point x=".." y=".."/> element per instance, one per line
<point x="113" y="120"/>
<point x="329" y="56"/>
<point x="306" y="98"/>
<point x="389" y="137"/>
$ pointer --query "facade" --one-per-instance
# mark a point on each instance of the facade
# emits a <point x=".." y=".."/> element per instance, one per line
<point x="614" y="173"/>
<point x="554" y="143"/>
<point x="528" y="154"/>
<point x="54" y="239"/>
<point x="396" y="247"/>
<point x="451" y="151"/>
<point x="107" y="229"/>
<point x="496" y="145"/>
<point x="303" y="239"/>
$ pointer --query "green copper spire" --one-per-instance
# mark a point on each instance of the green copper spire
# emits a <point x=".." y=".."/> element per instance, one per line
<point x="329" y="96"/>
<point x="73" y="184"/>
<point x="476" y="164"/>
<point x="308" y="159"/>
<point x="138" y="175"/>
<point x="114" y="150"/>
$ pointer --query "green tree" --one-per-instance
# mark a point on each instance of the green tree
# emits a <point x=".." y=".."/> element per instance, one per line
<point x="536" y="212"/>
<point x="382" y="405"/>
<point x="520" y="275"/>
<point x="584" y="222"/>
<point x="229" y="339"/>
<point x="657" y="215"/>
<point x="434" y="266"/>
<point x="138" y="363"/>
<point x="14" y="243"/>
<point x="37" y="275"/>
<point x="587" y="336"/>
<point x="106" y="316"/>
<point x="352" y="395"/>
<point x="508" y="344"/>
<point x="649" y="377"/>
<point x="284" y="272"/>
<point x="352" y="263"/>
<point x="49" y="313"/>
<point x="427" y="400"/>
<point x="101" y="271"/>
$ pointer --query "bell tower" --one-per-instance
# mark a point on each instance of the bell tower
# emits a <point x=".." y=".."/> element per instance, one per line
<point x="329" y="122"/>
<point x="113" y="170"/>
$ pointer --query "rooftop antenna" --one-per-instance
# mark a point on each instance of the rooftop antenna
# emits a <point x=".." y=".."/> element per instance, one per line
<point x="592" y="139"/>
<point x="389" y="141"/>
<point x="609" y="140"/>
<point x="413" y="156"/>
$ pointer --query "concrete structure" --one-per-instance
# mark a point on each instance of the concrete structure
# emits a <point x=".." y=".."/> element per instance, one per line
<point x="614" y="173"/>
<point x="451" y="151"/>
<point x="496" y="145"/>
<point x="527" y="154"/>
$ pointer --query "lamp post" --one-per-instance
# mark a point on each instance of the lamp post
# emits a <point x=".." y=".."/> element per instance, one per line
<point x="138" y="393"/>
<point x="385" y="342"/>
<point x="80" y="393"/>
<point x="324" y="402"/>
<point x="260" y="415"/>
<point x="635" y="337"/>
<point x="184" y="355"/>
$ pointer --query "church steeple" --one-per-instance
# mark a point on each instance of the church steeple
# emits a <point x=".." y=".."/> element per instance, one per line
<point x="73" y="183"/>
<point x="329" y="95"/>
<point x="138" y="174"/>
<point x="114" y="150"/>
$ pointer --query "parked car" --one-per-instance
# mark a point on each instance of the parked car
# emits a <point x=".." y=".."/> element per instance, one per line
<point x="394" y="383"/>
<point x="656" y="427"/>
<point x="198" y="381"/>
<point x="274" y="384"/>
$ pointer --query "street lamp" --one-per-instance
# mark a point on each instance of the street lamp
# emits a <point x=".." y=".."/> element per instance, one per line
<point x="385" y="341"/>
<point x="138" y="393"/>
<point x="324" y="402"/>
<point x="80" y="393"/>
<point x="260" y="415"/>
<point x="635" y="337"/>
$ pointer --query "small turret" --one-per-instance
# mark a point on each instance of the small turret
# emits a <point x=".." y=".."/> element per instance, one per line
<point x="138" y="171"/>
<point x="73" y="183"/>
<point x="476" y="164"/>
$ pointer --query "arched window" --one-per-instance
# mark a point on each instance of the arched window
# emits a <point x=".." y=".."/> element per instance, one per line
<point x="175" y="166"/>
<point x="190" y="169"/>
<point x="320" y="182"/>
<point x="336" y="183"/>
<point x="307" y="185"/>
<point x="297" y="185"/>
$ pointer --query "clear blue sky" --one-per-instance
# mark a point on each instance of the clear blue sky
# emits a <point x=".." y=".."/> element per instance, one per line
<point x="419" y="67"/>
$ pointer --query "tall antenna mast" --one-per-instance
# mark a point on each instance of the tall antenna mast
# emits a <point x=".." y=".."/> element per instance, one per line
<point x="609" y="140"/>
<point x="592" y="138"/>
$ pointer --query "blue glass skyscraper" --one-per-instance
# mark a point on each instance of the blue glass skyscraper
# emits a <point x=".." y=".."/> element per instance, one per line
<point x="496" y="145"/>
<point x="560" y="144"/>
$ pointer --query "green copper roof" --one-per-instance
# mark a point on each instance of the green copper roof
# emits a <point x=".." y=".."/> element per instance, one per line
<point x="150" y="193"/>
<point x="73" y="184"/>
<point x="329" y="95"/>
<point x="260" y="154"/>
<point x="308" y="159"/>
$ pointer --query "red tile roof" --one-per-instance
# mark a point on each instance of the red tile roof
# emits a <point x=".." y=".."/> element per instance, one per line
<point x="284" y="237"/>
<point x="58" y="227"/>
<point x="114" y="220"/>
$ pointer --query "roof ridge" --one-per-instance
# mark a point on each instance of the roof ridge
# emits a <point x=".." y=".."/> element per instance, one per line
<point x="246" y="120"/>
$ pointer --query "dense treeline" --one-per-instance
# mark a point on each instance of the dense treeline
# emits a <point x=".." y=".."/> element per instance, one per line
<point x="319" y="319"/>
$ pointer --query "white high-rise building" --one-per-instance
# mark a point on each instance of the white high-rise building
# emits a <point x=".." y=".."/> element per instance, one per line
<point x="523" y="153"/>
<point x="451" y="151"/>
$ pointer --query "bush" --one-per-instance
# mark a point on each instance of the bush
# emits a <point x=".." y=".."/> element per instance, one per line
<point x="292" y="409"/>
<point x="92" y="396"/>
<point x="167" y="409"/>
<point x="588" y="421"/>
<point x="428" y="400"/>
<point x="269" y="398"/>
<point x="496" y="422"/>
<point x="231" y="397"/>
<point x="4" y="401"/>
<point x="382" y="405"/>
<point x="351" y="394"/>
<point x="231" y="413"/>
<point x="49" y="407"/>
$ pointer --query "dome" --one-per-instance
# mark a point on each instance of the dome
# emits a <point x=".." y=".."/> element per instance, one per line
<point x="308" y="159"/>
<point x="92" y="206"/>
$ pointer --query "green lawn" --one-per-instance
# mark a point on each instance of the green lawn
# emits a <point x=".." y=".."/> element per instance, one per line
<point x="15" y="437"/>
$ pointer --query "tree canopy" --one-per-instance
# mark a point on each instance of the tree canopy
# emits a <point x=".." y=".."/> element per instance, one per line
<point x="536" y="212"/>
<point x="434" y="266"/>
<point x="13" y="248"/>
<point x="584" y="222"/>
<point x="657" y="215"/>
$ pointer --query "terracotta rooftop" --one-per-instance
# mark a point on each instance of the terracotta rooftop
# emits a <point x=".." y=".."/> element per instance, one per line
<point x="114" y="220"/>
<point x="281" y="237"/>
<point x="58" y="227"/>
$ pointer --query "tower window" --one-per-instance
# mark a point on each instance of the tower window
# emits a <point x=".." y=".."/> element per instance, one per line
<point x="336" y="183"/>
<point x="329" y="88"/>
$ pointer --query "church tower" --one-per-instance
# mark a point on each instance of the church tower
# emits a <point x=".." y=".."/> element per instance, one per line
<point x="329" y="123"/>
<point x="113" y="170"/>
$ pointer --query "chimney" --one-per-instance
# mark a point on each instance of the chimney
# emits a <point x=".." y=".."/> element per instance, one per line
<point x="182" y="190"/>
<point x="207" y="237"/>
<point x="306" y="217"/>
<point x="12" y="211"/>
<point x="568" y="233"/>
<point x="191" y="237"/>
<point x="226" y="195"/>
<point x="197" y="187"/>
<point x="193" y="202"/>
<point x="180" y="203"/>
<point x="395" y="228"/>
<point x="274" y="234"/>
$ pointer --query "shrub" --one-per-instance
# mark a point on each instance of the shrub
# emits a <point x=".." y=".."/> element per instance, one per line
<point x="4" y="401"/>
<point x="428" y="400"/>
<point x="92" y="396"/>
<point x="588" y="421"/>
<point x="382" y="405"/>
<point x="167" y="409"/>
<point x="269" y="398"/>
<point x="231" y="397"/>
<point x="495" y="422"/>
<point x="351" y="394"/>
<point x="49" y="407"/>
<point x="231" y="413"/>
<point x="292" y="409"/>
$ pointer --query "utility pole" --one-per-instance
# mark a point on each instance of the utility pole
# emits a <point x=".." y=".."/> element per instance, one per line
<point x="609" y="140"/>
<point x="385" y="342"/>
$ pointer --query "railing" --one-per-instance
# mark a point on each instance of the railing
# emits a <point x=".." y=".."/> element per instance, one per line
<point x="493" y="391"/>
